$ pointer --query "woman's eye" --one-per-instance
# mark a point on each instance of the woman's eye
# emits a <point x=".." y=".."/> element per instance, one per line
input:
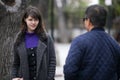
<point x="36" y="20"/>
<point x="30" y="19"/>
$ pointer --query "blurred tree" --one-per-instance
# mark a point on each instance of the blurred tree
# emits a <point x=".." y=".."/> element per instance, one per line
<point x="62" y="33"/>
<point x="43" y="5"/>
<point x="113" y="17"/>
<point x="116" y="8"/>
<point x="116" y="26"/>
<point x="51" y="17"/>
<point x="116" y="20"/>
<point x="109" y="8"/>
<point x="113" y="20"/>
<point x="74" y="13"/>
<point x="76" y="8"/>
<point x="68" y="14"/>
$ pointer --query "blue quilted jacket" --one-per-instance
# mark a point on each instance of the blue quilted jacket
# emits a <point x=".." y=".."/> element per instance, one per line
<point x="93" y="56"/>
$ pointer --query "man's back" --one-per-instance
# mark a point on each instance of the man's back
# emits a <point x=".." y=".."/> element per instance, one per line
<point x="93" y="55"/>
<point x="100" y="56"/>
<point x="97" y="59"/>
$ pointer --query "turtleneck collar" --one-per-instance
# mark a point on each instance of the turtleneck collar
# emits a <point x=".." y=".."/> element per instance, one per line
<point x="27" y="33"/>
<point x="31" y="40"/>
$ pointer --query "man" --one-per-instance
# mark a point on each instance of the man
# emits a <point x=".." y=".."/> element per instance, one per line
<point x="93" y="55"/>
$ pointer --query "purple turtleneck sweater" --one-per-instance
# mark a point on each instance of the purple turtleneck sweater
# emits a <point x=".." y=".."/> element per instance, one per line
<point x="31" y="40"/>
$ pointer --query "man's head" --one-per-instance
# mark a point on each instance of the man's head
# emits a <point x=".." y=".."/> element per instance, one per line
<point x="96" y="15"/>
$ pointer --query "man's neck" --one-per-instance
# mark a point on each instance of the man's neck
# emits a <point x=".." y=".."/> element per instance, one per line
<point x="91" y="27"/>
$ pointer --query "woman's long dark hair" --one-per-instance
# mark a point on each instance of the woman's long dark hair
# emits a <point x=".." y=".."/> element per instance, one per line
<point x="40" y="30"/>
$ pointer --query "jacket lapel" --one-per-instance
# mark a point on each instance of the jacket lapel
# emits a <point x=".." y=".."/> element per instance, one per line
<point x="40" y="51"/>
<point x="24" y="60"/>
<point x="23" y="52"/>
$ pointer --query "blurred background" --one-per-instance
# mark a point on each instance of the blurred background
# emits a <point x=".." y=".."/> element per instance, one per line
<point x="63" y="21"/>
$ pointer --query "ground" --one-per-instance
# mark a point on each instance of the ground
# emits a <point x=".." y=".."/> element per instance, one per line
<point x="61" y="54"/>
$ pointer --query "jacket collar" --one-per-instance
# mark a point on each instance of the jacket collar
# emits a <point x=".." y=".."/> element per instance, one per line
<point x="97" y="29"/>
<point x="39" y="54"/>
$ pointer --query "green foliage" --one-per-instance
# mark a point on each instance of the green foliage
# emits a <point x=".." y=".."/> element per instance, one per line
<point x="102" y="2"/>
<point x="76" y="8"/>
<point x="116" y="7"/>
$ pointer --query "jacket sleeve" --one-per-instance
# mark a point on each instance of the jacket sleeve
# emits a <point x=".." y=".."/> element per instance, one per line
<point x="118" y="66"/>
<point x="16" y="64"/>
<point x="119" y="69"/>
<point x="52" y="59"/>
<point x="73" y="61"/>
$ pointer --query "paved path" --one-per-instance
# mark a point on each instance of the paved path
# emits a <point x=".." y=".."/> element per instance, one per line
<point x="59" y="73"/>
<point x="61" y="53"/>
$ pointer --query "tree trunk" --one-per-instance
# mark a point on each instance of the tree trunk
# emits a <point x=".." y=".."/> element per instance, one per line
<point x="62" y="27"/>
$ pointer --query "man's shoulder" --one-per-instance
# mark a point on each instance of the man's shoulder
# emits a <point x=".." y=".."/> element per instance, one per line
<point x="82" y="37"/>
<point x="80" y="40"/>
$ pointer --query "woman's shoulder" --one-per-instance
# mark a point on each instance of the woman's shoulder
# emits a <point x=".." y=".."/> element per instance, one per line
<point x="49" y="38"/>
<point x="18" y="38"/>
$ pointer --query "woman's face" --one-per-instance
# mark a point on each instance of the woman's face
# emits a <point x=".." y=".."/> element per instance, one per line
<point x="31" y="23"/>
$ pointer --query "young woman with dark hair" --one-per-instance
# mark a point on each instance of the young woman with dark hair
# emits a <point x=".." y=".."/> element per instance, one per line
<point x="34" y="54"/>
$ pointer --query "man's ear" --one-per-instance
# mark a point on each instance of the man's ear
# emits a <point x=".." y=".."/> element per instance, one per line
<point x="89" y="23"/>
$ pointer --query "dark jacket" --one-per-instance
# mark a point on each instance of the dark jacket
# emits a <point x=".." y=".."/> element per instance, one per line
<point x="93" y="56"/>
<point x="46" y="61"/>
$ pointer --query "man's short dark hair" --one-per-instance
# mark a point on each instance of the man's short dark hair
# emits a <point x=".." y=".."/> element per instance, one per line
<point x="97" y="15"/>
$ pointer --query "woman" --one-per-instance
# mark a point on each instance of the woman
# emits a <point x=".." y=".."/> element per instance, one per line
<point x="34" y="54"/>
